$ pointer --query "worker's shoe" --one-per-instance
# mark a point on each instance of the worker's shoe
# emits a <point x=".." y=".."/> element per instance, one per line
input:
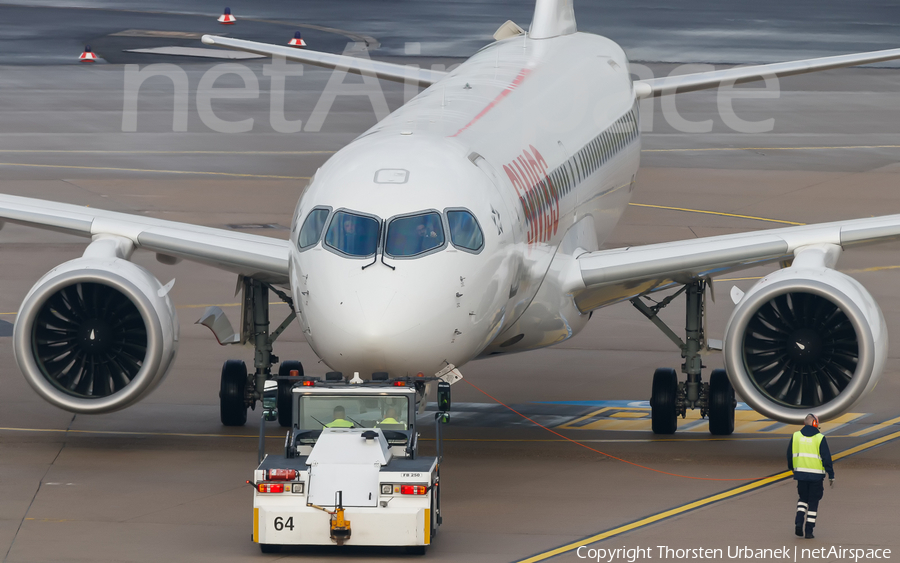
<point x="798" y="531"/>
<point x="809" y="535"/>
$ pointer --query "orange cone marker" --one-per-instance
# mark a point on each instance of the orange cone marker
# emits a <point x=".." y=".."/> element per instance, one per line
<point x="297" y="41"/>
<point x="227" y="18"/>
<point x="88" y="56"/>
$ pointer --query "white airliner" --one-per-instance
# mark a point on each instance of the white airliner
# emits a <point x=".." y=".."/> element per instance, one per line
<point x="465" y="224"/>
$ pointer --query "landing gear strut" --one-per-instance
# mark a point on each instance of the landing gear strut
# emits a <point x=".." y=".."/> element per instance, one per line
<point x="235" y="398"/>
<point x="670" y="398"/>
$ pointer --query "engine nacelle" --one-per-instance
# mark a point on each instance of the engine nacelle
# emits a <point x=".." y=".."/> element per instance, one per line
<point x="805" y="339"/>
<point x="96" y="335"/>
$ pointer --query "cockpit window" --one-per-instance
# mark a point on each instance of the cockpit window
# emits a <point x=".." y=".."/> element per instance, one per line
<point x="413" y="235"/>
<point x="464" y="230"/>
<point x="312" y="228"/>
<point x="351" y="234"/>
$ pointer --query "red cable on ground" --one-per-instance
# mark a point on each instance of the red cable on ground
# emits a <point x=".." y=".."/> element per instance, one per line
<point x="596" y="450"/>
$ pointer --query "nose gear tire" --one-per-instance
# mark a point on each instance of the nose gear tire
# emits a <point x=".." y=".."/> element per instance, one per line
<point x="232" y="392"/>
<point x="663" y="414"/>
<point x="721" y="404"/>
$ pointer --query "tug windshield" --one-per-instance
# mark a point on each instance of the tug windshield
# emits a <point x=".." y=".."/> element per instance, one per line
<point x="364" y="411"/>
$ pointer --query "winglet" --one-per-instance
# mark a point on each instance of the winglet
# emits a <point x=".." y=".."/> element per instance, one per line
<point x="552" y="18"/>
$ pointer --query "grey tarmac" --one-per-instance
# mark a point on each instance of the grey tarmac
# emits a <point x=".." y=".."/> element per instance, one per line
<point x="164" y="481"/>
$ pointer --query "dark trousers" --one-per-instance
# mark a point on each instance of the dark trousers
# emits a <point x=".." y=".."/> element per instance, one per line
<point x="808" y="506"/>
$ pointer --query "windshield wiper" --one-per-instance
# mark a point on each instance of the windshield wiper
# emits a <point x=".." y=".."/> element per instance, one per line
<point x="385" y="263"/>
<point x="317" y="420"/>
<point x="375" y="257"/>
<point x="377" y="243"/>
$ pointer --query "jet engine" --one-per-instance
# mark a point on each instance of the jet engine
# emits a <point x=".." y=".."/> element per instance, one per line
<point x="96" y="334"/>
<point x="805" y="339"/>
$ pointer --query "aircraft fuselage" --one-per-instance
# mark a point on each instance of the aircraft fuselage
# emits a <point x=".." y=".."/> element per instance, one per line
<point x="537" y="141"/>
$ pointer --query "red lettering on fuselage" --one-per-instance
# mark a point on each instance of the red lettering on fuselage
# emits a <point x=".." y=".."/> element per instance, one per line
<point x="528" y="174"/>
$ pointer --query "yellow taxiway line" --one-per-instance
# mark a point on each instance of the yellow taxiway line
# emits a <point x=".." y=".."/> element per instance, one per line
<point x="200" y="306"/>
<point x="876" y="427"/>
<point x="706" y="212"/>
<point x="155" y="171"/>
<point x="738" y="279"/>
<point x="88" y="151"/>
<point x="485" y="440"/>
<point x="731" y="493"/>
<point x="732" y="149"/>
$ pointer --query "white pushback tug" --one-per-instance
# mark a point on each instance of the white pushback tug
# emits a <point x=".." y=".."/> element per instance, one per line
<point x="351" y="473"/>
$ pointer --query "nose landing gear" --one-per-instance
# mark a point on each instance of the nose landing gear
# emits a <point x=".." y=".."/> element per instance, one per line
<point x="669" y="398"/>
<point x="239" y="389"/>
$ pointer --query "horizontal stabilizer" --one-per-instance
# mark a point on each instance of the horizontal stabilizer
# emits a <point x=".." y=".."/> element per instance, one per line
<point x="703" y="80"/>
<point x="386" y="71"/>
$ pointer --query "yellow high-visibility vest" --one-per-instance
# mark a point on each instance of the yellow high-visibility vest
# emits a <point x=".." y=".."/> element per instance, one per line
<point x="806" y="453"/>
<point x="339" y="423"/>
<point x="390" y="420"/>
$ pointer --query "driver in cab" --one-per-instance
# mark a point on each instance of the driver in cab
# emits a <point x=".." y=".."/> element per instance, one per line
<point x="391" y="418"/>
<point x="340" y="419"/>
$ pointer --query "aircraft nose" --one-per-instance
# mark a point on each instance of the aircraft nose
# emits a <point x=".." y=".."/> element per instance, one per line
<point x="383" y="322"/>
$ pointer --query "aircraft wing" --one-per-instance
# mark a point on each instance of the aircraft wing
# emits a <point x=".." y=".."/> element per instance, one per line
<point x="609" y="276"/>
<point x="703" y="80"/>
<point x="379" y="69"/>
<point x="263" y="258"/>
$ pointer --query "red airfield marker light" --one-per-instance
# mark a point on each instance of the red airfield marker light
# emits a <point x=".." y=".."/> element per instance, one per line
<point x="297" y="41"/>
<point x="87" y="56"/>
<point x="227" y="18"/>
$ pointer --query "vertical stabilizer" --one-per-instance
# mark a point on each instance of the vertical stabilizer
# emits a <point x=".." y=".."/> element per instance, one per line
<point x="552" y="18"/>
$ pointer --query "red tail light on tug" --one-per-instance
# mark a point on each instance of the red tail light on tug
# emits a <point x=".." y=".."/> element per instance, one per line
<point x="412" y="490"/>
<point x="270" y="487"/>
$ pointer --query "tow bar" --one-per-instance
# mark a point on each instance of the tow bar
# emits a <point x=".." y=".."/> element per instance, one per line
<point x="340" y="528"/>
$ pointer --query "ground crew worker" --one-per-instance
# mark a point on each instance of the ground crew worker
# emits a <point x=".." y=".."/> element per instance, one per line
<point x="340" y="420"/>
<point x="391" y="417"/>
<point x="809" y="458"/>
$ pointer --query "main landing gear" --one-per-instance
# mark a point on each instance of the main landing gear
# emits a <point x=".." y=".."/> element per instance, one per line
<point x="671" y="399"/>
<point x="240" y="390"/>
